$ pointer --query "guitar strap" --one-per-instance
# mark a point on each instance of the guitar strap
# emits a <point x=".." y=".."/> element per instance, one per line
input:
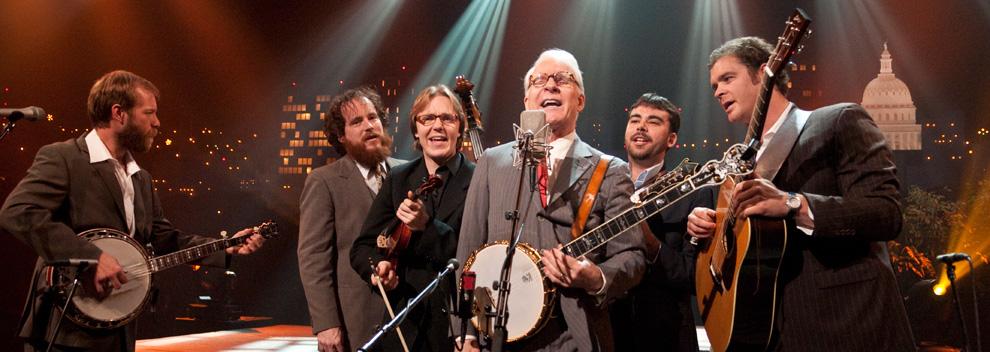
<point x="780" y="145"/>
<point x="590" y="193"/>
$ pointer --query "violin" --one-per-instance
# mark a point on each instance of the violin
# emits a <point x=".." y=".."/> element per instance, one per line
<point x="394" y="239"/>
<point x="464" y="89"/>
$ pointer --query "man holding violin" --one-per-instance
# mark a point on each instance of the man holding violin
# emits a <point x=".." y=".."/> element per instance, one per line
<point x="412" y="228"/>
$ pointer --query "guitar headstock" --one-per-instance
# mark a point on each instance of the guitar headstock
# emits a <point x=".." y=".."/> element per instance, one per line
<point x="267" y="229"/>
<point x="787" y="43"/>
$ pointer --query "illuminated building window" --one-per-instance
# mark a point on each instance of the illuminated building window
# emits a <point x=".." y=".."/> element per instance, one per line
<point x="319" y="152"/>
<point x="805" y="93"/>
<point x="319" y="143"/>
<point x="318" y="105"/>
<point x="304" y="161"/>
<point x="323" y="116"/>
<point x="285" y="161"/>
<point x="317" y="134"/>
<point x="282" y="135"/>
<point x="288" y="125"/>
<point x="296" y="143"/>
<point x="286" y="152"/>
<point x="290" y="99"/>
<point x="297" y="134"/>
<point x="303" y="116"/>
<point x="323" y="99"/>
<point x="309" y="170"/>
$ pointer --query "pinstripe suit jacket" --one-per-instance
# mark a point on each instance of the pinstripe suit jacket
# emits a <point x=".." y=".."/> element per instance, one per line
<point x="492" y="193"/>
<point x="839" y="292"/>
<point x="334" y="202"/>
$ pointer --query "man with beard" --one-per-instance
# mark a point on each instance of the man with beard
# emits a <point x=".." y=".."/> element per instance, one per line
<point x="657" y="315"/>
<point x="828" y="173"/>
<point x="334" y="202"/>
<point x="437" y="122"/>
<point x="94" y="182"/>
<point x="579" y="320"/>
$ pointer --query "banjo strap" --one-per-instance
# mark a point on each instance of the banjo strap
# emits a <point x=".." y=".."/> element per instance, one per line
<point x="590" y="193"/>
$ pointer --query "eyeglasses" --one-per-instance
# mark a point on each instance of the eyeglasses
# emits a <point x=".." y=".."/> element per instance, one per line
<point x="428" y="119"/>
<point x="562" y="78"/>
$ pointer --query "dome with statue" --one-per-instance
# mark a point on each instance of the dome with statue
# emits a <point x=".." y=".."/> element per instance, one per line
<point x="887" y="90"/>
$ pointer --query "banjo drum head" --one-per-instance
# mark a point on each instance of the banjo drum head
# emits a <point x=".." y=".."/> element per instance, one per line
<point x="123" y="303"/>
<point x="528" y="294"/>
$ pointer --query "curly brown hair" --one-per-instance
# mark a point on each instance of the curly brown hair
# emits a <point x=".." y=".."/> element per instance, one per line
<point x="334" y="126"/>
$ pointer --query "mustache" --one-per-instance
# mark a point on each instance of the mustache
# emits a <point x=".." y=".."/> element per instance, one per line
<point x="643" y="135"/>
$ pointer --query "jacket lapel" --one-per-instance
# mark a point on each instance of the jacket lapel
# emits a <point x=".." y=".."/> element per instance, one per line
<point x="453" y="196"/>
<point x="105" y="171"/>
<point x="571" y="169"/>
<point x="351" y="170"/>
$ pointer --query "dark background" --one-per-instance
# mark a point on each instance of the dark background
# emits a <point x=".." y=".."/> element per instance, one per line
<point x="226" y="67"/>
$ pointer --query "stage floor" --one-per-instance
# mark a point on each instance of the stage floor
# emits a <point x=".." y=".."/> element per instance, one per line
<point x="281" y="338"/>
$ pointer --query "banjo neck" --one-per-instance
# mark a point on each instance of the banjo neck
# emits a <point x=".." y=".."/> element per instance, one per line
<point x="712" y="173"/>
<point x="159" y="263"/>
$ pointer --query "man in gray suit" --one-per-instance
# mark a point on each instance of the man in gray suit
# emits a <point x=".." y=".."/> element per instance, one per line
<point x="334" y="203"/>
<point x="94" y="182"/>
<point x="836" y="187"/>
<point x="579" y="321"/>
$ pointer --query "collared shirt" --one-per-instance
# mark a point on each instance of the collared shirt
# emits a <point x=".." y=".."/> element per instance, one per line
<point x="98" y="152"/>
<point x="369" y="178"/>
<point x="558" y="151"/>
<point x="644" y="176"/>
<point x="766" y="141"/>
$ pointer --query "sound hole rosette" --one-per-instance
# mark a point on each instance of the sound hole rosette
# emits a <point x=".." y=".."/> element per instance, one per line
<point x="527" y="314"/>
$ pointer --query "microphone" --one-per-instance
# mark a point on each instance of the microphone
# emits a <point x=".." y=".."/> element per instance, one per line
<point x="532" y="126"/>
<point x="465" y="299"/>
<point x="950" y="258"/>
<point x="82" y="263"/>
<point x="31" y="113"/>
<point x="453" y="264"/>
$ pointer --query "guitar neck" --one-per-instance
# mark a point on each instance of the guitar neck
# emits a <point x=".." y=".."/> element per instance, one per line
<point x="193" y="253"/>
<point x="755" y="132"/>
<point x="629" y="218"/>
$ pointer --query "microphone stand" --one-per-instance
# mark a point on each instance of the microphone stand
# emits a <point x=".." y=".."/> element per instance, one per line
<point x="499" y="333"/>
<point x="68" y="299"/>
<point x="451" y="266"/>
<point x="9" y="126"/>
<point x="950" y="271"/>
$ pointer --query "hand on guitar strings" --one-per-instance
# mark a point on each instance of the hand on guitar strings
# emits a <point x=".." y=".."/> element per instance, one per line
<point x="386" y="272"/>
<point x="412" y="213"/>
<point x="253" y="243"/>
<point x="701" y="223"/>
<point x="107" y="276"/>
<point x="566" y="271"/>
<point x="330" y="340"/>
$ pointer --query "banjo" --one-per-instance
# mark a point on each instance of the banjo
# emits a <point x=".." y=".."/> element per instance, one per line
<point x="532" y="296"/>
<point x="127" y="302"/>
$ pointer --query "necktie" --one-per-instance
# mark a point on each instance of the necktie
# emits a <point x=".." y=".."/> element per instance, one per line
<point x="541" y="176"/>
<point x="376" y="177"/>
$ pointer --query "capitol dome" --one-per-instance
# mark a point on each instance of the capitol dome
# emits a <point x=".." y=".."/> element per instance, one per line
<point x="886" y="90"/>
<point x="888" y="101"/>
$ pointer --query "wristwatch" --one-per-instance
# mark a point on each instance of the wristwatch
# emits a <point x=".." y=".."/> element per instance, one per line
<point x="793" y="204"/>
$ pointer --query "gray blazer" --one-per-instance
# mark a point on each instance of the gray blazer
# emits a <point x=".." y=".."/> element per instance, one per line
<point x="492" y="193"/>
<point x="334" y="203"/>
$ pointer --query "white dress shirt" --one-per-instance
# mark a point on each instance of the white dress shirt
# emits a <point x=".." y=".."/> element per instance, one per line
<point x="98" y="152"/>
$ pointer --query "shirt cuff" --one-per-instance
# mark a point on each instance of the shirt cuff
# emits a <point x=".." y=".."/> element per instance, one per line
<point x="806" y="230"/>
<point x="601" y="291"/>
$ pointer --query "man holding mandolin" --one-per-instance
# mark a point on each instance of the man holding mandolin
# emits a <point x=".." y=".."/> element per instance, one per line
<point x="94" y="182"/>
<point x="829" y="174"/>
<point x="412" y="228"/>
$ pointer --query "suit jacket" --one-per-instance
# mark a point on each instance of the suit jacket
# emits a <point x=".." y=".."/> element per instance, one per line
<point x="839" y="292"/>
<point x="62" y="195"/>
<point x="585" y="323"/>
<point x="426" y="326"/>
<point x="334" y="202"/>
<point x="657" y="314"/>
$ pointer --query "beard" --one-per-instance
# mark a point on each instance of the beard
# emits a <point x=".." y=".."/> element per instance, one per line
<point x="133" y="140"/>
<point x="371" y="157"/>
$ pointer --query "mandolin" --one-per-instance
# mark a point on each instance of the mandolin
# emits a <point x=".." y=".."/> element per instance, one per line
<point x="394" y="239"/>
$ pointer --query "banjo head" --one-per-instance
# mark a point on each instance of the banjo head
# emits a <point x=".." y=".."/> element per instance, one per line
<point x="531" y="296"/>
<point x="123" y="304"/>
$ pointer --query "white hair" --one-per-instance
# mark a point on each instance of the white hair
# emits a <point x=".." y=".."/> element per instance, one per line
<point x="561" y="56"/>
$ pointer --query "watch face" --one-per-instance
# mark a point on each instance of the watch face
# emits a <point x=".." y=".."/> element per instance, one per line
<point x="793" y="201"/>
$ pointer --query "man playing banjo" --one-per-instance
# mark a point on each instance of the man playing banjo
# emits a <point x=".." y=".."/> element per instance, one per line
<point x="93" y="182"/>
<point x="577" y="320"/>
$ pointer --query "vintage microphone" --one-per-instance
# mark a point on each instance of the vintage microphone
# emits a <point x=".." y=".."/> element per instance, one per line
<point x="465" y="300"/>
<point x="31" y="113"/>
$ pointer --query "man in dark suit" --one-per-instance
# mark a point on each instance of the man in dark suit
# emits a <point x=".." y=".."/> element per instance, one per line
<point x="335" y="200"/>
<point x="657" y="314"/>
<point x="437" y="122"/>
<point x="837" y="189"/>
<point x="579" y="320"/>
<point x="94" y="182"/>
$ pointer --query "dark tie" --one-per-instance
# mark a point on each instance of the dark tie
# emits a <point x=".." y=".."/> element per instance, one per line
<point x="541" y="176"/>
